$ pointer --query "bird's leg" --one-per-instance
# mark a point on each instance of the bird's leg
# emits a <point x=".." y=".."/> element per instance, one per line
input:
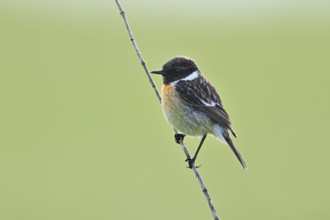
<point x="192" y="161"/>
<point x="179" y="138"/>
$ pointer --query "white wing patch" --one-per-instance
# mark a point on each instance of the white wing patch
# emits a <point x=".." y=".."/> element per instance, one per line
<point x="212" y="104"/>
<point x="192" y="76"/>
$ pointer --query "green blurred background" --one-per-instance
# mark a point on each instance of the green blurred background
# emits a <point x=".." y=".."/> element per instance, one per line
<point x="83" y="135"/>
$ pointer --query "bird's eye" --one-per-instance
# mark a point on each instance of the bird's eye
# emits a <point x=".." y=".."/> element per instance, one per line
<point x="177" y="70"/>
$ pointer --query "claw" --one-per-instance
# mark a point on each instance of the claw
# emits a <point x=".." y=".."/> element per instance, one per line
<point x="179" y="138"/>
<point x="195" y="166"/>
<point x="191" y="162"/>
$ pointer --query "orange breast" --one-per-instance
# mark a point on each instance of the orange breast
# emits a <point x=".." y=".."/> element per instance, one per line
<point x="169" y="96"/>
<point x="182" y="116"/>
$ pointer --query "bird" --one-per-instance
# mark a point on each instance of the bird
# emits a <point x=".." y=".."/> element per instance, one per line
<point x="192" y="105"/>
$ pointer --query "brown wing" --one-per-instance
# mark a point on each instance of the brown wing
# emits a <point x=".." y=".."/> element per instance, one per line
<point x="201" y="94"/>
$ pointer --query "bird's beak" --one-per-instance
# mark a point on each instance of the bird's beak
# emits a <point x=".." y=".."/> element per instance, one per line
<point x="161" y="72"/>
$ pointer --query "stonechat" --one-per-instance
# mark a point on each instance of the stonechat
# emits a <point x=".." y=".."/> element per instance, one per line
<point x="192" y="105"/>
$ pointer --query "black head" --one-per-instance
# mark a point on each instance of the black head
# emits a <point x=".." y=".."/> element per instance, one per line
<point x="177" y="68"/>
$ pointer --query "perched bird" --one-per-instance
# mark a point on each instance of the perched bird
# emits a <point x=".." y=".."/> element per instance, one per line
<point x="192" y="105"/>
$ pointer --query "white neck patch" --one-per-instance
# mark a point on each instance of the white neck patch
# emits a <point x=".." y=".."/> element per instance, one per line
<point x="192" y="76"/>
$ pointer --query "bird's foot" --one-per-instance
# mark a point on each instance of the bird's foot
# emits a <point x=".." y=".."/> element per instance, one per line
<point x="191" y="162"/>
<point x="179" y="138"/>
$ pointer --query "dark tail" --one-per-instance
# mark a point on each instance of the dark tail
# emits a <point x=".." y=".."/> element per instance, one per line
<point x="234" y="149"/>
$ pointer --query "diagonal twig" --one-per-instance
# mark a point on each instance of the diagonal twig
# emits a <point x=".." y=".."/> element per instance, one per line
<point x="204" y="189"/>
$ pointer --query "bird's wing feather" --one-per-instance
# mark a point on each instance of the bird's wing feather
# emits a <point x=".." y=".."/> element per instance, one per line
<point x="201" y="94"/>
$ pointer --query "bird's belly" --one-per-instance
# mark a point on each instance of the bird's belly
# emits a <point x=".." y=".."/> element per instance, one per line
<point x="183" y="117"/>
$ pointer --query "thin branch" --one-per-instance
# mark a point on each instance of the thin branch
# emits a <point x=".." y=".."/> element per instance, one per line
<point x="122" y="12"/>
<point x="204" y="189"/>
